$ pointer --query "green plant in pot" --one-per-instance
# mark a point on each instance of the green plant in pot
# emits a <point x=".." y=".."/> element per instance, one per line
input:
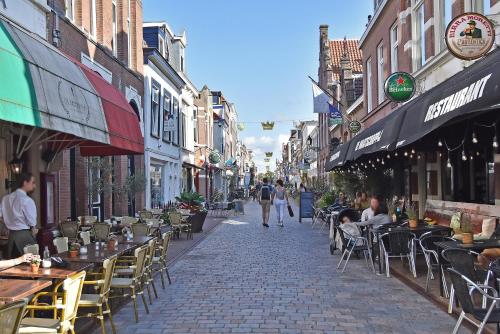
<point x="73" y="249"/>
<point x="467" y="231"/>
<point x="411" y="212"/>
<point x="193" y="202"/>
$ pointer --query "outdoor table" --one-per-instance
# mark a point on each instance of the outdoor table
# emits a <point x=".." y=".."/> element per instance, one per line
<point x="99" y="255"/>
<point x="142" y="240"/>
<point x="24" y="271"/>
<point x="15" y="289"/>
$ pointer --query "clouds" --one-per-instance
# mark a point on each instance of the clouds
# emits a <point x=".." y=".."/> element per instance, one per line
<point x="263" y="144"/>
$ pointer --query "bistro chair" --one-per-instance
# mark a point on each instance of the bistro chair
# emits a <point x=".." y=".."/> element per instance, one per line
<point x="431" y="255"/>
<point x="11" y="315"/>
<point x="145" y="214"/>
<point x="87" y="220"/>
<point x="61" y="244"/>
<point x="148" y="269"/>
<point x="33" y="249"/>
<point x="85" y="237"/>
<point x="101" y="231"/>
<point x="140" y="230"/>
<point x="465" y="288"/>
<point x="178" y="224"/>
<point x="99" y="300"/>
<point x="398" y="243"/>
<point x="70" y="229"/>
<point x="354" y="244"/>
<point x="65" y="298"/>
<point x="134" y="283"/>
<point x="128" y="221"/>
<point x="161" y="260"/>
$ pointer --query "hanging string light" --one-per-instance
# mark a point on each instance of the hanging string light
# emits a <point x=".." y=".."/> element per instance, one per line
<point x="474" y="138"/>
<point x="412" y="151"/>
<point x="406" y="154"/>
<point x="395" y="154"/>
<point x="448" y="163"/>
<point x="495" y="142"/>
<point x="464" y="157"/>
<point x="440" y="143"/>
<point x="388" y="156"/>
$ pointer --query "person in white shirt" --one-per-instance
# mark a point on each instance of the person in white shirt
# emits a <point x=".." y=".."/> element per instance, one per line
<point x="20" y="216"/>
<point x="370" y="212"/>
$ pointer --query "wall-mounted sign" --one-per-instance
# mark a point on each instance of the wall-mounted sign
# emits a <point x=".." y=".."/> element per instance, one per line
<point x="470" y="36"/>
<point x="354" y="126"/>
<point x="214" y="157"/>
<point x="399" y="86"/>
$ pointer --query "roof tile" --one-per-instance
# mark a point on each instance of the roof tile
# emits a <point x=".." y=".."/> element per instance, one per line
<point x="353" y="51"/>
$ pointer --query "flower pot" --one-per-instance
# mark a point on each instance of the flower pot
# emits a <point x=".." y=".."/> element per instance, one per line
<point x="467" y="238"/>
<point x="413" y="223"/>
<point x="197" y="221"/>
<point x="73" y="253"/>
<point x="35" y="267"/>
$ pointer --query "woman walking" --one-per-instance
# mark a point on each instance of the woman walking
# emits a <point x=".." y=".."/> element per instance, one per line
<point x="280" y="200"/>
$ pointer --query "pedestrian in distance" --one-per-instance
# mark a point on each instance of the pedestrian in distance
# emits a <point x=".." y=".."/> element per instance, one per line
<point x="265" y="202"/>
<point x="280" y="200"/>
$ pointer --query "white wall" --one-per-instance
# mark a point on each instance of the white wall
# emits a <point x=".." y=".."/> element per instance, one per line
<point x="31" y="14"/>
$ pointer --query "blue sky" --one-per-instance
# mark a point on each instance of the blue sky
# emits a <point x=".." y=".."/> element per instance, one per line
<point x="259" y="54"/>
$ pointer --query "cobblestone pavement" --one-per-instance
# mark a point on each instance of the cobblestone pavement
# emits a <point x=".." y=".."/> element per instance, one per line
<point x="246" y="279"/>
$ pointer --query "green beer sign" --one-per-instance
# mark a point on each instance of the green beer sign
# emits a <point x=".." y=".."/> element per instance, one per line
<point x="355" y="126"/>
<point x="399" y="87"/>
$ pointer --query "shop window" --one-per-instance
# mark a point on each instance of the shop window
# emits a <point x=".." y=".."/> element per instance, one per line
<point x="155" y="175"/>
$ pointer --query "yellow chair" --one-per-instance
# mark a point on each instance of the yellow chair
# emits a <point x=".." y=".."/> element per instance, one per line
<point x="148" y="269"/>
<point x="70" y="230"/>
<point x="140" y="230"/>
<point x="145" y="214"/>
<point x="179" y="225"/>
<point x="135" y="283"/>
<point x="100" y="299"/>
<point x="101" y="231"/>
<point x="65" y="299"/>
<point x="11" y="316"/>
<point x="161" y="260"/>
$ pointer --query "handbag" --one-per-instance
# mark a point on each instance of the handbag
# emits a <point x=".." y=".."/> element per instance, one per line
<point x="290" y="211"/>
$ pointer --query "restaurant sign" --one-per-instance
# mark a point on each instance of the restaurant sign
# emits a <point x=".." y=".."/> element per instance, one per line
<point x="470" y="36"/>
<point x="354" y="126"/>
<point x="399" y="87"/>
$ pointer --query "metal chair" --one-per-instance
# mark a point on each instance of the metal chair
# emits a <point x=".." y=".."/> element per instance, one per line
<point x="354" y="244"/>
<point x="99" y="300"/>
<point x="70" y="230"/>
<point x="140" y="230"/>
<point x="464" y="288"/>
<point x="85" y="237"/>
<point x="101" y="231"/>
<point x="65" y="298"/>
<point x="61" y="244"/>
<point x="135" y="283"/>
<point x="33" y="249"/>
<point x="11" y="316"/>
<point x="430" y="250"/>
<point x="398" y="243"/>
<point x="161" y="260"/>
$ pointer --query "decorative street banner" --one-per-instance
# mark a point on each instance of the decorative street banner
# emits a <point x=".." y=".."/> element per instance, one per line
<point x="335" y="116"/>
<point x="321" y="100"/>
<point x="354" y="126"/>
<point x="269" y="154"/>
<point x="267" y="125"/>
<point x="399" y="87"/>
<point x="470" y="36"/>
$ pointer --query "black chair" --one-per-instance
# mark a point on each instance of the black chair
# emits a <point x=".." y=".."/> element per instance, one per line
<point x="398" y="243"/>
<point x="431" y="253"/>
<point x="465" y="288"/>
<point x="352" y="214"/>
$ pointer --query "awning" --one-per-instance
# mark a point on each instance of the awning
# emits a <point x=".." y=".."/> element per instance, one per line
<point x="43" y="88"/>
<point x="470" y="91"/>
<point x="337" y="158"/>
<point x="381" y="136"/>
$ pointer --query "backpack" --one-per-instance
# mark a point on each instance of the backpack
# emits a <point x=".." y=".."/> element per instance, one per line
<point x="265" y="193"/>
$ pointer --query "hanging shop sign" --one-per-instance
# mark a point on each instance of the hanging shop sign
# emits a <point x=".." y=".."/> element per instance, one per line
<point x="267" y="125"/>
<point x="266" y="159"/>
<point x="399" y="87"/>
<point x="354" y="126"/>
<point x="334" y="116"/>
<point x="470" y="36"/>
<point x="214" y="157"/>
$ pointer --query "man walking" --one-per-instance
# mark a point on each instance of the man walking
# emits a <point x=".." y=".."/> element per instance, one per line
<point x="19" y="215"/>
<point x="264" y="197"/>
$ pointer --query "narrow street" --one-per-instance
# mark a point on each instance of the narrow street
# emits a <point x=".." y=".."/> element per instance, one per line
<point x="246" y="279"/>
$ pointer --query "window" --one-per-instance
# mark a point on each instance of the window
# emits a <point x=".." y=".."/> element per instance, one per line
<point x="394" y="48"/>
<point x="175" y="133"/>
<point x="446" y="16"/>
<point x="167" y="116"/>
<point x="93" y="18"/>
<point x="155" y="111"/>
<point x="215" y="99"/>
<point x="70" y="9"/>
<point x="420" y="36"/>
<point x="161" y="46"/>
<point x="195" y="125"/>
<point x="183" y="125"/>
<point x="182" y="64"/>
<point x="380" y="73"/>
<point x="129" y="37"/>
<point x="369" y="85"/>
<point x="115" y="31"/>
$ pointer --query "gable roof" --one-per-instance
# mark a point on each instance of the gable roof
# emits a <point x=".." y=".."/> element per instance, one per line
<point x="354" y="53"/>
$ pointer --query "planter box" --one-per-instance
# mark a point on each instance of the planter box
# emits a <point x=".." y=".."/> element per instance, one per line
<point x="197" y="221"/>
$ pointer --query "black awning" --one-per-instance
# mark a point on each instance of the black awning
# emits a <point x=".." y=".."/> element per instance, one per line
<point x="381" y="136"/>
<point x="337" y="158"/>
<point x="475" y="89"/>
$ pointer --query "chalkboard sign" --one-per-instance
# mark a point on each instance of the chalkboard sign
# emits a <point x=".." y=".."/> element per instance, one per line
<point x="306" y="205"/>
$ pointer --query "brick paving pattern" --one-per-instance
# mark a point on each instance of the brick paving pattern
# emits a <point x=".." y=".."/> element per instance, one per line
<point x="246" y="279"/>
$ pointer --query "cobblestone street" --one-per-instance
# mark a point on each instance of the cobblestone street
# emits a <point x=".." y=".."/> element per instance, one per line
<point x="246" y="279"/>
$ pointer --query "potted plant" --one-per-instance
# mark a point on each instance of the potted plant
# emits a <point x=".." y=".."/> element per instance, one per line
<point x="411" y="212"/>
<point x="466" y="227"/>
<point x="73" y="250"/>
<point x="35" y="263"/>
<point x="194" y="202"/>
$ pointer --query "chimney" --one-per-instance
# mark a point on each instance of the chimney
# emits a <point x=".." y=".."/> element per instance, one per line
<point x="323" y="33"/>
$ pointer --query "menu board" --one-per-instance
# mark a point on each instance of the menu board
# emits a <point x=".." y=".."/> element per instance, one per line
<point x="306" y="205"/>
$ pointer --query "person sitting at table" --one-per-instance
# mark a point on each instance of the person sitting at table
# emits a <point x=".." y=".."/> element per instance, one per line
<point x="350" y="228"/>
<point x="380" y="216"/>
<point x="364" y="201"/>
<point x="370" y="212"/>
<point x="340" y="201"/>
<point x="14" y="262"/>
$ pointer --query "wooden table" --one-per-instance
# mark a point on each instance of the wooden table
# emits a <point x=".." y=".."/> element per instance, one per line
<point x="142" y="240"/>
<point x="99" y="255"/>
<point x="24" y="271"/>
<point x="15" y="289"/>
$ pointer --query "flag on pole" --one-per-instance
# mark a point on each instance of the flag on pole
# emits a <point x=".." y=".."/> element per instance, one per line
<point x="321" y="100"/>
<point x="335" y="116"/>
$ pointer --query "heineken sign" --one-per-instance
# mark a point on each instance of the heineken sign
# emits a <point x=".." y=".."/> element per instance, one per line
<point x="399" y="87"/>
<point x="470" y="36"/>
<point x="354" y="126"/>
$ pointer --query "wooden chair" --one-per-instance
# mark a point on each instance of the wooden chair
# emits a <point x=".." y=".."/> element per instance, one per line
<point x="33" y="249"/>
<point x="101" y="231"/>
<point x="140" y="230"/>
<point x="61" y="244"/>
<point x="161" y="260"/>
<point x="70" y="230"/>
<point x="135" y="283"/>
<point x="11" y="316"/>
<point x="85" y="237"/>
<point x="65" y="299"/>
<point x="99" y="300"/>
